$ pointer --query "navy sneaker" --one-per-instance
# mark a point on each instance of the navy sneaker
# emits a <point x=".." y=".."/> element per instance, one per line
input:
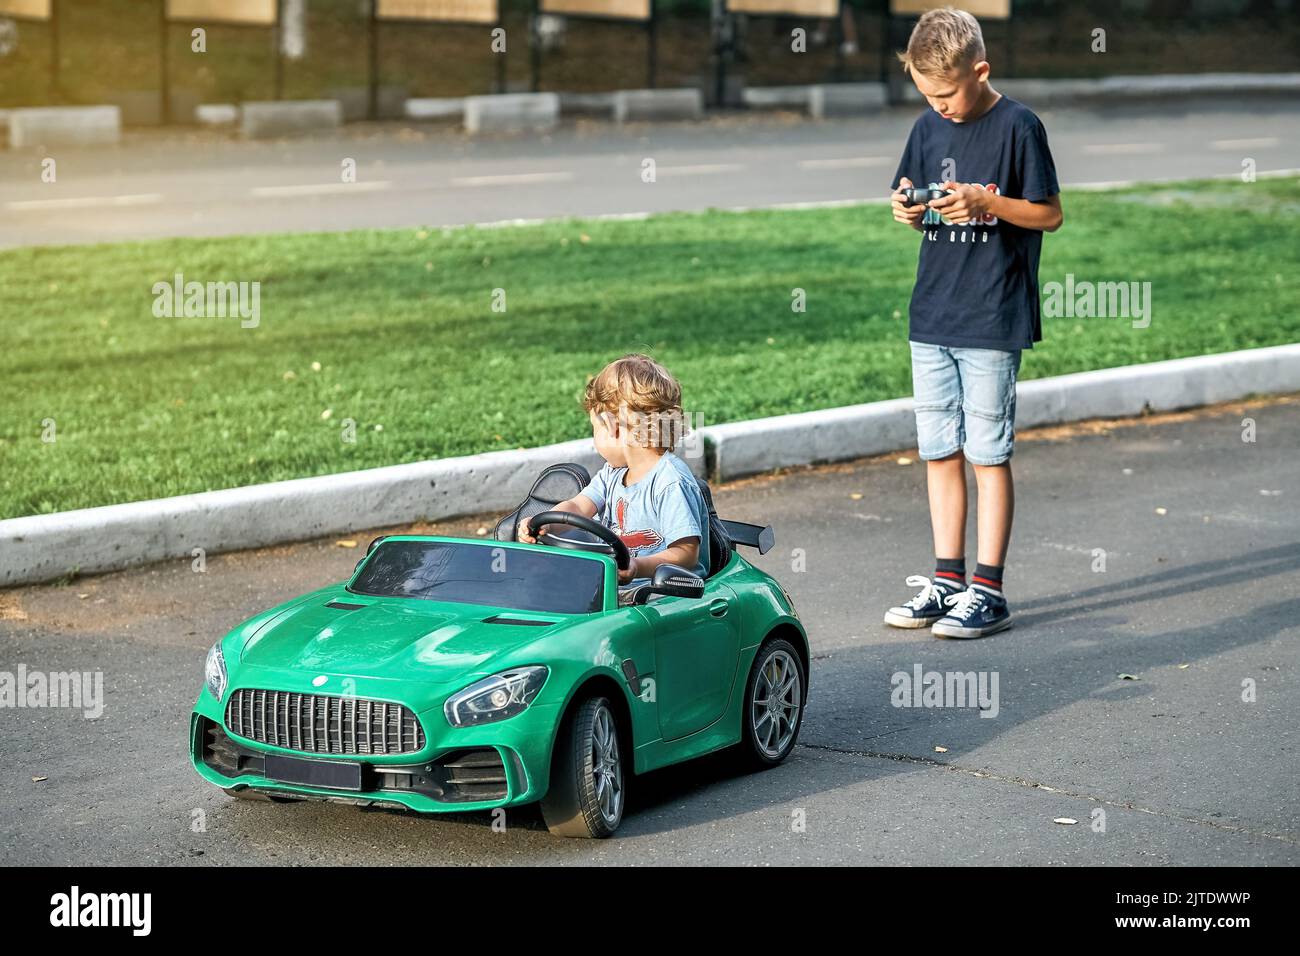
<point x="927" y="607"/>
<point x="976" y="612"/>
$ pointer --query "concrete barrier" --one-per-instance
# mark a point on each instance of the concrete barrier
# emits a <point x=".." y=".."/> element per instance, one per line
<point x="857" y="431"/>
<point x="512" y="113"/>
<point x="355" y="100"/>
<point x="92" y="540"/>
<point x="285" y="117"/>
<point x="776" y="97"/>
<point x="435" y="108"/>
<point x="43" y="547"/>
<point x="216" y="114"/>
<point x="845" y="99"/>
<point x="587" y="104"/>
<point x="632" y="106"/>
<point x="65" y="126"/>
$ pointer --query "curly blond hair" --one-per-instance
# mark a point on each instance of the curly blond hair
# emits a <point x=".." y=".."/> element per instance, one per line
<point x="943" y="40"/>
<point x="641" y="395"/>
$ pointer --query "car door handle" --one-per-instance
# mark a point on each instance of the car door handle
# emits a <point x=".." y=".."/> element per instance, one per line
<point x="718" y="608"/>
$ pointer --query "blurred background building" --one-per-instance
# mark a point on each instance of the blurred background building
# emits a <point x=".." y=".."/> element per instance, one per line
<point x="116" y="51"/>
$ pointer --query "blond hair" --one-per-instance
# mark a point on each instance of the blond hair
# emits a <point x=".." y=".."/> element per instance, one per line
<point x="642" y="395"/>
<point x="942" y="41"/>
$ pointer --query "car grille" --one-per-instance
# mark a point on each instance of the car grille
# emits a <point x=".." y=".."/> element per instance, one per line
<point x="317" y="723"/>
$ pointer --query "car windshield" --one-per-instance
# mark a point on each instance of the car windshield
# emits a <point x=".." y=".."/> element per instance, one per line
<point x="551" y="582"/>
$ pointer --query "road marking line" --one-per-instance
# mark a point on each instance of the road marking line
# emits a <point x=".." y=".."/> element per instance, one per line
<point x="1122" y="149"/>
<point x="512" y="179"/>
<point x="848" y="162"/>
<point x="84" y="202"/>
<point x="706" y="169"/>
<point x="815" y="204"/>
<point x="321" y="189"/>
<point x="1130" y="183"/>
<point x="1257" y="142"/>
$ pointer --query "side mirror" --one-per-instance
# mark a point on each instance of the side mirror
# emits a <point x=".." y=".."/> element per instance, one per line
<point x="673" y="581"/>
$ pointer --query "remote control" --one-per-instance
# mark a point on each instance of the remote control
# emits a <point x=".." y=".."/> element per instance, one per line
<point x="920" y="195"/>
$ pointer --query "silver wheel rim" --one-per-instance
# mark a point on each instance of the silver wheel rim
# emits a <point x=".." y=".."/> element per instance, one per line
<point x="606" y="766"/>
<point x="774" y="708"/>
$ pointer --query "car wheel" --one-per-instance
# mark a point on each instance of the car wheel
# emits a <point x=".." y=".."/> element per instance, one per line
<point x="586" y="794"/>
<point x="774" y="701"/>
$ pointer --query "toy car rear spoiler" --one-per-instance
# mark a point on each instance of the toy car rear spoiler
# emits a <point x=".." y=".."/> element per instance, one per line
<point x="750" y="535"/>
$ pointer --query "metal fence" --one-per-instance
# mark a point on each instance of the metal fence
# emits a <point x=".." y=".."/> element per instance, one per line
<point x="117" y="51"/>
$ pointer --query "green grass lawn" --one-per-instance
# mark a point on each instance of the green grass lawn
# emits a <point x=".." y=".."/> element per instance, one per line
<point x="408" y="346"/>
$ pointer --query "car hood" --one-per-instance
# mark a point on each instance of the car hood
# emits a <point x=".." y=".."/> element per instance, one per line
<point x="400" y="639"/>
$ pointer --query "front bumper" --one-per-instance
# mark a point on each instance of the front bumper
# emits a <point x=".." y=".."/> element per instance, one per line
<point x="506" y="763"/>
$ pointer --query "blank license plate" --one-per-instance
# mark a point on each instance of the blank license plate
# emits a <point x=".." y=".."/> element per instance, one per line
<point x="336" y="775"/>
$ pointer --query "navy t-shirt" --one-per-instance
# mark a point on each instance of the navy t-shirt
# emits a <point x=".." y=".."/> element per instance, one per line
<point x="977" y="283"/>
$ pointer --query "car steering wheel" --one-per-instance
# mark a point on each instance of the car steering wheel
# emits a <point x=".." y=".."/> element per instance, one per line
<point x="622" y="557"/>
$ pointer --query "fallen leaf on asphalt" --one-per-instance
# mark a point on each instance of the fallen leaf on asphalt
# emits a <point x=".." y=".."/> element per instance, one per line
<point x="1127" y="677"/>
<point x="855" y="495"/>
<point x="1067" y="821"/>
<point x="1183" y="667"/>
<point x="10" y="611"/>
<point x="941" y="750"/>
<point x="904" y="461"/>
<point x="39" y="779"/>
<point x="481" y="531"/>
<point x="349" y="543"/>
<point x="1162" y="511"/>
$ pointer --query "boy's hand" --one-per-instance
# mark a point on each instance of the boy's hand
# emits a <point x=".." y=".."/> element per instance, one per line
<point x="521" y="532"/>
<point x="625" y="577"/>
<point x="966" y="203"/>
<point x="910" y="215"/>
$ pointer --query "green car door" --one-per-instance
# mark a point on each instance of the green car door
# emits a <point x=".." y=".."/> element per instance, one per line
<point x="697" y="647"/>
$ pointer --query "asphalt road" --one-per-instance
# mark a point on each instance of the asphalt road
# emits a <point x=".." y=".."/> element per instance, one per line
<point x="1194" y="600"/>
<point x="208" y="184"/>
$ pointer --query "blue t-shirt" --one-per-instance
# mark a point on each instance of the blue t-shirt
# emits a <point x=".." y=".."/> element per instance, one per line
<point x="664" y="506"/>
<point x="977" y="283"/>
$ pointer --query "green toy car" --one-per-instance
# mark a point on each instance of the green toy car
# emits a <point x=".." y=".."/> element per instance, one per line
<point x="453" y="674"/>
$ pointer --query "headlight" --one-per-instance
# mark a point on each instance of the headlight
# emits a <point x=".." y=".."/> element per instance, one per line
<point x="495" y="698"/>
<point x="214" y="671"/>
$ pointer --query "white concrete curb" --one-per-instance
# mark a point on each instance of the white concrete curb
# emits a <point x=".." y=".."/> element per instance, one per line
<point x="43" y="547"/>
<point x="857" y="431"/>
<point x="65" y="126"/>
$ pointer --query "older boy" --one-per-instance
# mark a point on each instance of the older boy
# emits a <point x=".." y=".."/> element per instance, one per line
<point x="974" y="307"/>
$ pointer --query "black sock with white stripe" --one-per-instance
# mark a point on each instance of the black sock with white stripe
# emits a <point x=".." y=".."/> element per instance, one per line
<point x="951" y="571"/>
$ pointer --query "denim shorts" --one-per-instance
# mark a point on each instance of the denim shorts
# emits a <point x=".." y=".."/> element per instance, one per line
<point x="965" y="400"/>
